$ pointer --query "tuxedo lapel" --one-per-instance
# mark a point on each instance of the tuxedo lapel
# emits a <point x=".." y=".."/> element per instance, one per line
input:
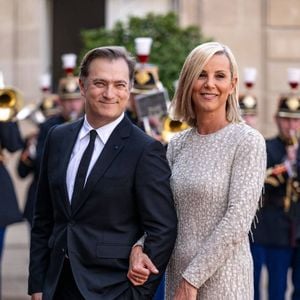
<point x="112" y="148"/>
<point x="66" y="148"/>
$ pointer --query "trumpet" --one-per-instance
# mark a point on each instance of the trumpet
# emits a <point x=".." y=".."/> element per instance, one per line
<point x="10" y="104"/>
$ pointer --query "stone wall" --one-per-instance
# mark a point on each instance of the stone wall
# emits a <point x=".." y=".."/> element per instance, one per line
<point x="282" y="47"/>
<point x="119" y="10"/>
<point x="264" y="34"/>
<point x="25" y="41"/>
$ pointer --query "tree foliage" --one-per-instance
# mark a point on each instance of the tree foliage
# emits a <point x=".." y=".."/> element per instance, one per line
<point x="171" y="43"/>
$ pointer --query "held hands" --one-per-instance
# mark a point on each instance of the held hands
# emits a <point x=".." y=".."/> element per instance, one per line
<point x="140" y="266"/>
<point x="185" y="291"/>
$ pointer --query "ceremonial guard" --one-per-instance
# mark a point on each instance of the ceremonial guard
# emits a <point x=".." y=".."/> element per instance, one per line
<point x="11" y="141"/>
<point x="276" y="237"/>
<point x="54" y="109"/>
<point x="70" y="100"/>
<point x="247" y="100"/>
<point x="149" y="101"/>
<point x="146" y="86"/>
<point x="48" y="107"/>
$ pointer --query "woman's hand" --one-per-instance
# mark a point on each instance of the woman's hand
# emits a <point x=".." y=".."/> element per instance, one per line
<point x="140" y="266"/>
<point x="185" y="291"/>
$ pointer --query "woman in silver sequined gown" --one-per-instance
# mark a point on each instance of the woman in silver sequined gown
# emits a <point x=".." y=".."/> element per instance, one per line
<point x="218" y="168"/>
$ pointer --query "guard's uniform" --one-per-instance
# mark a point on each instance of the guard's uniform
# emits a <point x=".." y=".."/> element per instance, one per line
<point x="276" y="236"/>
<point x="10" y="139"/>
<point x="27" y="164"/>
<point x="68" y="90"/>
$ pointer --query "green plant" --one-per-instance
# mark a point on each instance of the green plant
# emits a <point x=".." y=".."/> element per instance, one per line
<point x="171" y="43"/>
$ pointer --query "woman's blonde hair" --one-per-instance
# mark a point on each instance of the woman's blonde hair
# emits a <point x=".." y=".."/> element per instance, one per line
<point x="182" y="106"/>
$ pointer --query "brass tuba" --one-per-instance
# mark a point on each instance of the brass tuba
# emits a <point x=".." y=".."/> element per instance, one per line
<point x="10" y="103"/>
<point x="171" y="127"/>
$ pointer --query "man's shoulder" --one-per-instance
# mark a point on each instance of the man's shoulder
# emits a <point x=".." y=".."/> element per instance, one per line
<point x="66" y="126"/>
<point x="54" y="120"/>
<point x="61" y="131"/>
<point x="140" y="136"/>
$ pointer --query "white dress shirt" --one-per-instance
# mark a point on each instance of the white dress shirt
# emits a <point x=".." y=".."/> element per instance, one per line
<point x="103" y="134"/>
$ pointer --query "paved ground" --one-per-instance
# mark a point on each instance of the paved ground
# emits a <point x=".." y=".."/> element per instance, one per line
<point x="15" y="263"/>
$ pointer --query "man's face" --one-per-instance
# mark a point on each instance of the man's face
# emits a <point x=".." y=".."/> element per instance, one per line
<point x="72" y="108"/>
<point x="288" y="126"/>
<point x="106" y="90"/>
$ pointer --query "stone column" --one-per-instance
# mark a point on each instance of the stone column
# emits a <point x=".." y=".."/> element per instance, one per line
<point x="25" y="39"/>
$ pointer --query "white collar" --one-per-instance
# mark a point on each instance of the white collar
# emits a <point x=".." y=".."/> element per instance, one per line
<point x="103" y="132"/>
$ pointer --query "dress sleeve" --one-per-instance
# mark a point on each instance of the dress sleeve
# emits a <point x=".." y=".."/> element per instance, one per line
<point x="246" y="183"/>
<point x="140" y="241"/>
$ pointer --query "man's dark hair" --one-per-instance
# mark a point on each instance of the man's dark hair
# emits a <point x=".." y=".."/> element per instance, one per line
<point x="110" y="53"/>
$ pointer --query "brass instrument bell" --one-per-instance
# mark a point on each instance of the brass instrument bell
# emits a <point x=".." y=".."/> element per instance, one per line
<point x="10" y="101"/>
<point x="10" y="104"/>
<point x="171" y="127"/>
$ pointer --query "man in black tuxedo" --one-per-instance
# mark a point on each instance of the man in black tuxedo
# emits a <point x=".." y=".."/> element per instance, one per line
<point x="89" y="215"/>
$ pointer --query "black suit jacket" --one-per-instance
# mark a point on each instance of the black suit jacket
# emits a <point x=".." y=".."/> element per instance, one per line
<point x="127" y="193"/>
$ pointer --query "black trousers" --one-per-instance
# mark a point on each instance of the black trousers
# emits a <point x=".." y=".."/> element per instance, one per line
<point x="66" y="288"/>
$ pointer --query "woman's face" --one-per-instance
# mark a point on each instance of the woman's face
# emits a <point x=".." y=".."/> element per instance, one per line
<point x="215" y="83"/>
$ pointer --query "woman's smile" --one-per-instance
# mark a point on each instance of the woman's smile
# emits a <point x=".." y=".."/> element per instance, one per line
<point x="209" y="96"/>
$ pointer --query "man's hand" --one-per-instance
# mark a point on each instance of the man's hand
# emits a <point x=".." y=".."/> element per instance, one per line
<point x="37" y="296"/>
<point x="185" y="291"/>
<point x="140" y="266"/>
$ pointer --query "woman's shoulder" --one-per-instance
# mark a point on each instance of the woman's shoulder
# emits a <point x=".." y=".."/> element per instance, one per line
<point x="249" y="140"/>
<point x="181" y="137"/>
<point x="248" y="133"/>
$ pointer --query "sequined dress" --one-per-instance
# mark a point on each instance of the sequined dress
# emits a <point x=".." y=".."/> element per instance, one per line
<point x="217" y="181"/>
